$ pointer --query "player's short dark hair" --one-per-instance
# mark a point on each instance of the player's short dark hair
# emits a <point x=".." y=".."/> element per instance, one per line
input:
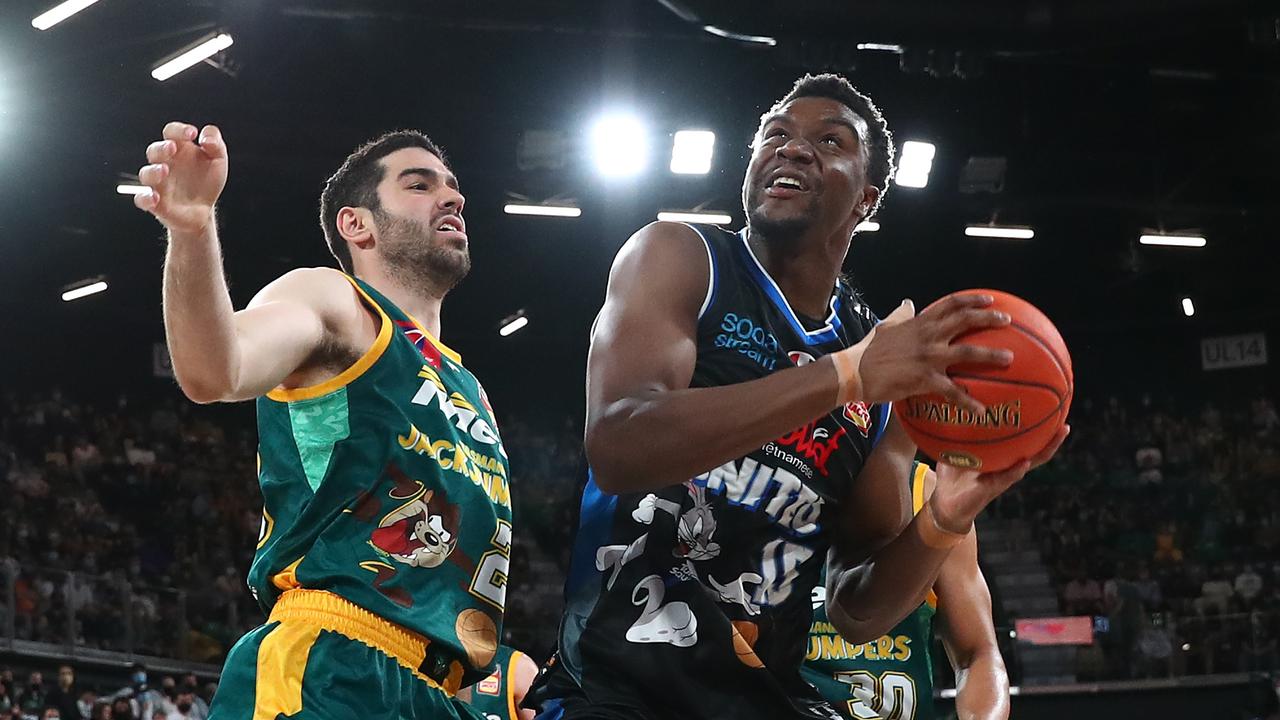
<point x="879" y="140"/>
<point x="355" y="184"/>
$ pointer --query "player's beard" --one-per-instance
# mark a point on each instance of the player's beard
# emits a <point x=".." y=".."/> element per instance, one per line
<point x="415" y="258"/>
<point x="781" y="230"/>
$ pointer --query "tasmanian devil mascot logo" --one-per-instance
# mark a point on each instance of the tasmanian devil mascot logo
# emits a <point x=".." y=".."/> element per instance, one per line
<point x="422" y="532"/>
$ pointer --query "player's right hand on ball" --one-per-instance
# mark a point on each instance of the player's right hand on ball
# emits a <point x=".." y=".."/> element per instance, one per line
<point x="908" y="354"/>
<point x="186" y="174"/>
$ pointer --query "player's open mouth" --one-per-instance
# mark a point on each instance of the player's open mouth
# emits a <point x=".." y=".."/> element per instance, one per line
<point x="786" y="184"/>
<point x="452" y="224"/>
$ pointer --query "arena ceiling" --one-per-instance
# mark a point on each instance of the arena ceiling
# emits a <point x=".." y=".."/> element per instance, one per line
<point x="1113" y="117"/>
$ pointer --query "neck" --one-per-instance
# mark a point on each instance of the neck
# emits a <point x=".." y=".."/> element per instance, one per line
<point x="420" y="302"/>
<point x="805" y="267"/>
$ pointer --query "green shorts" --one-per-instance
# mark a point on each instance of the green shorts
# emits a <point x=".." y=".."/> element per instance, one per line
<point x="321" y="657"/>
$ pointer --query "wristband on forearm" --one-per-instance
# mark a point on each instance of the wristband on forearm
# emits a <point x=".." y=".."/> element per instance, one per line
<point x="848" y="375"/>
<point x="932" y="534"/>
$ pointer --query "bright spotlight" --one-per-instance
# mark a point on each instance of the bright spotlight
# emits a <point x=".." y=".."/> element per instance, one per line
<point x="691" y="152"/>
<point x="126" y="189"/>
<point x="542" y="210"/>
<point x="1188" y="307"/>
<point x="709" y="218"/>
<point x="84" y="291"/>
<point x="620" y="145"/>
<point x="197" y="53"/>
<point x="58" y="13"/>
<point x="512" y="324"/>
<point x="997" y="231"/>
<point x="1174" y="240"/>
<point x="915" y="164"/>
<point x="867" y="226"/>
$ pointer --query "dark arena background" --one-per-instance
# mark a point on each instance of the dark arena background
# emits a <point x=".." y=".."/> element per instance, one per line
<point x="128" y="515"/>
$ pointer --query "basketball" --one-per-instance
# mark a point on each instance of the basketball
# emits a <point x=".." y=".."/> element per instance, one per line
<point x="1026" y="402"/>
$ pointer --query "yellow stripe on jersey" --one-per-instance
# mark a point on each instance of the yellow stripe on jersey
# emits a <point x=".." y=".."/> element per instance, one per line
<point x="511" y="684"/>
<point x="282" y="659"/>
<point x="917" y="502"/>
<point x="358" y="368"/>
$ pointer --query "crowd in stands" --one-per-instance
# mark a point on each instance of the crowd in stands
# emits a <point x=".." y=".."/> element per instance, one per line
<point x="180" y="698"/>
<point x="130" y="526"/>
<point x="1164" y="521"/>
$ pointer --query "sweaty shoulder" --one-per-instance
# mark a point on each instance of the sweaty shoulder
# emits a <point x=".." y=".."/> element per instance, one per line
<point x="663" y="259"/>
<point x="329" y="295"/>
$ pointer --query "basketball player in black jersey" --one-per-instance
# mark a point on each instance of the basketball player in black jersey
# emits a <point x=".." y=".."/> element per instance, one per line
<point x="740" y="435"/>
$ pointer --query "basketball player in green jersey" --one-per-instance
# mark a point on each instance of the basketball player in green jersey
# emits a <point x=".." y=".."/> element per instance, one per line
<point x="382" y="561"/>
<point x="892" y="677"/>
<point x="498" y="696"/>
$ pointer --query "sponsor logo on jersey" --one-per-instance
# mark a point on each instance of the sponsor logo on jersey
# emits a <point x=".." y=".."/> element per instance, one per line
<point x="814" y="443"/>
<point x="746" y="336"/>
<point x="456" y="408"/>
<point x="858" y="414"/>
<point x="825" y="643"/>
<point x="787" y="501"/>
<point x="491" y="685"/>
<point x="486" y="471"/>
<point x="420" y="340"/>
<point x="800" y="358"/>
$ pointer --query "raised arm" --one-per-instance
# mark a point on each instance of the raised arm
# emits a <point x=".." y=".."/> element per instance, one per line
<point x="219" y="354"/>
<point x="646" y="429"/>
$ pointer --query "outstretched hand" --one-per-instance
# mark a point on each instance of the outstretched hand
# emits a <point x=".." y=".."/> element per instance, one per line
<point x="962" y="494"/>
<point x="185" y="177"/>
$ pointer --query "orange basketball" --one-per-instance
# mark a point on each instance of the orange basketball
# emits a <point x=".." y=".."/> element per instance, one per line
<point x="1026" y="402"/>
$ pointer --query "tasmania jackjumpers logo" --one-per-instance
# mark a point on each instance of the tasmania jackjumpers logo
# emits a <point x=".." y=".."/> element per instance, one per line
<point x="858" y="414"/>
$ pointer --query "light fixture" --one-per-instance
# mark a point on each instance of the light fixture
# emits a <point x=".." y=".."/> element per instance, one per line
<point x="867" y="226"/>
<point x="128" y="189"/>
<point x="710" y="218"/>
<point x="1174" y="240"/>
<point x="199" y="52"/>
<point x="513" y="323"/>
<point x="58" y="13"/>
<point x="915" y="164"/>
<point x="730" y="35"/>
<point x="691" y="152"/>
<point x="883" y="47"/>
<point x="1188" y="307"/>
<point x="564" y="211"/>
<point x="84" y="290"/>
<point x="1000" y="231"/>
<point x="619" y="144"/>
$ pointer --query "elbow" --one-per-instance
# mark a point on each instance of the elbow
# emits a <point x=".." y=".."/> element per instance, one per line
<point x="853" y="629"/>
<point x="603" y="458"/>
<point x="201" y="390"/>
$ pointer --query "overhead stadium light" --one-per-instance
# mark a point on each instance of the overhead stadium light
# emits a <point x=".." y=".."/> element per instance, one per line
<point x="1174" y="240"/>
<point x="915" y="164"/>
<point x="542" y="210"/>
<point x="1000" y="231"/>
<point x="691" y="152"/>
<point x="76" y="293"/>
<point x="197" y="53"/>
<point x="58" y="13"/>
<point x="126" y="189"/>
<point x="620" y="145"/>
<point x="867" y="226"/>
<point x="512" y="324"/>
<point x="883" y="47"/>
<point x="1188" y="307"/>
<point x="709" y="218"/>
<point x="730" y="35"/>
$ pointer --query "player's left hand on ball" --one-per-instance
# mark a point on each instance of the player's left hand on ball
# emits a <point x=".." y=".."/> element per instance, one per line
<point x="962" y="494"/>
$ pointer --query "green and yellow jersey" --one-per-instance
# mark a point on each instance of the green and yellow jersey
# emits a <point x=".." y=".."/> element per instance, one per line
<point x="890" y="678"/>
<point x="495" y="696"/>
<point x="388" y="486"/>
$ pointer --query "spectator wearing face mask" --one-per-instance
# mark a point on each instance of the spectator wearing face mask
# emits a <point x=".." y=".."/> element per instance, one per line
<point x="199" y="708"/>
<point x="32" y="697"/>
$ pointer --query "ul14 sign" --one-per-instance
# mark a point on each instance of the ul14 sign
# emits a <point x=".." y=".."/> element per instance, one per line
<point x="1233" y="351"/>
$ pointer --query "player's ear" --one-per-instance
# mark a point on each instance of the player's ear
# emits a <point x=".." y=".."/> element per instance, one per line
<point x="356" y="226"/>
<point x="870" y="193"/>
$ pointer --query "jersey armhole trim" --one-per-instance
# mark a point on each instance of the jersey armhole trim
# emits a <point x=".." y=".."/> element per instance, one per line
<point x="358" y="368"/>
<point x="711" y="272"/>
<point x="512" y="662"/>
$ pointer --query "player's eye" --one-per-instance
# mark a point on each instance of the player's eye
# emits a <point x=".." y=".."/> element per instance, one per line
<point x="832" y="140"/>
<point x="418" y="186"/>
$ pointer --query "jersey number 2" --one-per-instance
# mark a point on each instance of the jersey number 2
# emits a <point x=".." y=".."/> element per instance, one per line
<point x="490" y="581"/>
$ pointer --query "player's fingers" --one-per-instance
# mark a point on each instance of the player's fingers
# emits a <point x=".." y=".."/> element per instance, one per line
<point x="959" y="301"/>
<point x="905" y="311"/>
<point x="147" y="200"/>
<point x="179" y="131"/>
<point x="964" y="354"/>
<point x="153" y="175"/>
<point x="211" y="142"/>
<point x="1051" y="449"/>
<point x="962" y="321"/>
<point x="1000" y="481"/>
<point x="161" y="151"/>
<point x="957" y="395"/>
